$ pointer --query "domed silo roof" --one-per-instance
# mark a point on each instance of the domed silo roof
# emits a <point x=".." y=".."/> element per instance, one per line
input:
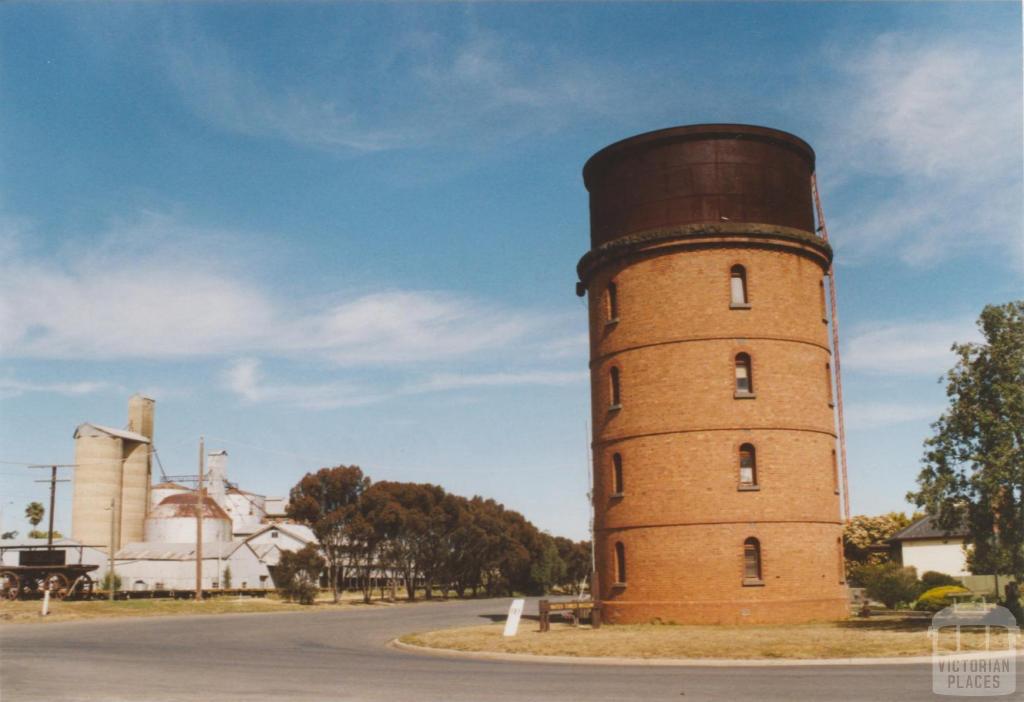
<point x="184" y="505"/>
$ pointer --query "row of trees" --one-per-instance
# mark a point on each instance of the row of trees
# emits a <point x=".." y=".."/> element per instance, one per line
<point x="423" y="536"/>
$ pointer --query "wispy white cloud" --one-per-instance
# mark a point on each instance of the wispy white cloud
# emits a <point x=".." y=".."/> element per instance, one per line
<point x="907" y="347"/>
<point x="458" y="381"/>
<point x="932" y="131"/>
<point x="427" y="89"/>
<point x="245" y="377"/>
<point x="10" y="387"/>
<point x="142" y="302"/>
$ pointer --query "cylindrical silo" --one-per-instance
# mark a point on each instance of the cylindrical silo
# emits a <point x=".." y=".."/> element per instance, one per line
<point x="174" y="521"/>
<point x="97" y="482"/>
<point x="716" y="491"/>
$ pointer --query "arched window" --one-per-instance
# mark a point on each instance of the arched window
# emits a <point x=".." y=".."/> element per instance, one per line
<point x="744" y="377"/>
<point x="612" y="302"/>
<point x="748" y="466"/>
<point x="616" y="389"/>
<point x="620" y="563"/>
<point x="617" y="484"/>
<point x="751" y="561"/>
<point x="738" y="286"/>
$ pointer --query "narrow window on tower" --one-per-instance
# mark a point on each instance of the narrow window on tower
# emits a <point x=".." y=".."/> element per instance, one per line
<point x="748" y="467"/>
<point x="616" y="399"/>
<point x="842" y="564"/>
<point x="824" y="307"/>
<point x="828" y="384"/>
<point x="612" y="303"/>
<point x="617" y="484"/>
<point x="835" y="472"/>
<point x="738" y="288"/>
<point x="744" y="377"/>
<point x="752" y="562"/>
<point x="620" y="563"/>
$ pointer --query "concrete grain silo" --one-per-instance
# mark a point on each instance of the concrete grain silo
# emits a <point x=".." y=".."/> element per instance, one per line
<point x="716" y="485"/>
<point x="113" y="465"/>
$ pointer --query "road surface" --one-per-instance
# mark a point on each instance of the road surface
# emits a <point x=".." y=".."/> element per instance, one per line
<point x="343" y="655"/>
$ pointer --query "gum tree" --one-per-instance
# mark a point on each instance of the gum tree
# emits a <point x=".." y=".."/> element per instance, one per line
<point x="973" y="467"/>
<point x="328" y="501"/>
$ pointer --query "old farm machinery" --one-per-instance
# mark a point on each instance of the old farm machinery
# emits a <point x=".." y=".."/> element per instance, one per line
<point x="42" y="568"/>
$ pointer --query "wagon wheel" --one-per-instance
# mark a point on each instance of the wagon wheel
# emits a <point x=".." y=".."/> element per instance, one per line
<point x="57" y="583"/>
<point x="9" y="585"/>
<point x="26" y="586"/>
<point x="84" y="589"/>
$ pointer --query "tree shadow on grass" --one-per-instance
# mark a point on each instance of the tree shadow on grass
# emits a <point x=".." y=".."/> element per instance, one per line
<point x="887" y="623"/>
<point x="496" y="618"/>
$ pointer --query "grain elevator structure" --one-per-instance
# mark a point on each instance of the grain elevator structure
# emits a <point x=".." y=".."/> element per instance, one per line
<point x="717" y="487"/>
<point x="113" y="470"/>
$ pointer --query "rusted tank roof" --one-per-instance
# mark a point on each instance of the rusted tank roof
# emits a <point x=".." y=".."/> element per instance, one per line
<point x="185" y="506"/>
<point x="705" y="173"/>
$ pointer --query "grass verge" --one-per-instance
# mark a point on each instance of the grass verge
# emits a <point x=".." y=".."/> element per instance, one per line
<point x="23" y="612"/>
<point x="875" y="637"/>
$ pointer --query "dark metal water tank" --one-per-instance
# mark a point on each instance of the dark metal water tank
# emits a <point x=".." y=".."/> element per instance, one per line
<point x="701" y="173"/>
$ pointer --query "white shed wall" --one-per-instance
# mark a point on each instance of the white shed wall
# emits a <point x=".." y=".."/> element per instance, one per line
<point x="183" y="529"/>
<point x="935" y="554"/>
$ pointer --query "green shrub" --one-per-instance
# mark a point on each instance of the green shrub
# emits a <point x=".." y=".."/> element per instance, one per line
<point x="889" y="583"/>
<point x="298" y="573"/>
<point x="105" y="583"/>
<point x="933" y="578"/>
<point x="939" y="597"/>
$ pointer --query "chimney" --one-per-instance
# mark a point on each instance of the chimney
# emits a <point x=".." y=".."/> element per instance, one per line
<point x="217" y="476"/>
<point x="140" y="415"/>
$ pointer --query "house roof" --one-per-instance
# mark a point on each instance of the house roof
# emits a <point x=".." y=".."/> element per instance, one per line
<point x="298" y="531"/>
<point x="926" y="528"/>
<point x="156" y="551"/>
<point x="119" y="433"/>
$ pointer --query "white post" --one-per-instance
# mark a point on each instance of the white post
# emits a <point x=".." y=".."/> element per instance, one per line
<point x="46" y="602"/>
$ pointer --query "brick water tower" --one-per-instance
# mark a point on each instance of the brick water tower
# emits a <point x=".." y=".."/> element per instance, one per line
<point x="716" y="480"/>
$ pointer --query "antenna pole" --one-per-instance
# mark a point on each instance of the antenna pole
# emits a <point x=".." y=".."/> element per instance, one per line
<point x="53" y="493"/>
<point x="199" y="523"/>
<point x="110" y="565"/>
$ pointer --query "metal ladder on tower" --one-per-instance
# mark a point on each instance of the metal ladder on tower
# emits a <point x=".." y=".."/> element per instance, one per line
<point x="834" y="315"/>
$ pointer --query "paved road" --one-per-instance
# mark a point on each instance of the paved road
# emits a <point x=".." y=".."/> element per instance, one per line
<point x="342" y="655"/>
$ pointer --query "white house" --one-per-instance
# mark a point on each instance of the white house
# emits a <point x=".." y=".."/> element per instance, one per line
<point x="925" y="546"/>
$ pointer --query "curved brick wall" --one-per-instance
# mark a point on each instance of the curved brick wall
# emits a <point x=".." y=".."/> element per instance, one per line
<point x="683" y="515"/>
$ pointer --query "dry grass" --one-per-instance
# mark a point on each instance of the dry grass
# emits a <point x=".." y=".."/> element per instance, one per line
<point x="23" y="612"/>
<point x="27" y="611"/>
<point x="881" y="636"/>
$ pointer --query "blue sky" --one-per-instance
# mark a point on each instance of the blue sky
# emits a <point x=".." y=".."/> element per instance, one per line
<point x="331" y="233"/>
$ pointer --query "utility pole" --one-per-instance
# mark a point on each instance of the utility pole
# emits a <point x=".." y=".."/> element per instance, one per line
<point x="199" y="523"/>
<point x="110" y="563"/>
<point x="53" y="493"/>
